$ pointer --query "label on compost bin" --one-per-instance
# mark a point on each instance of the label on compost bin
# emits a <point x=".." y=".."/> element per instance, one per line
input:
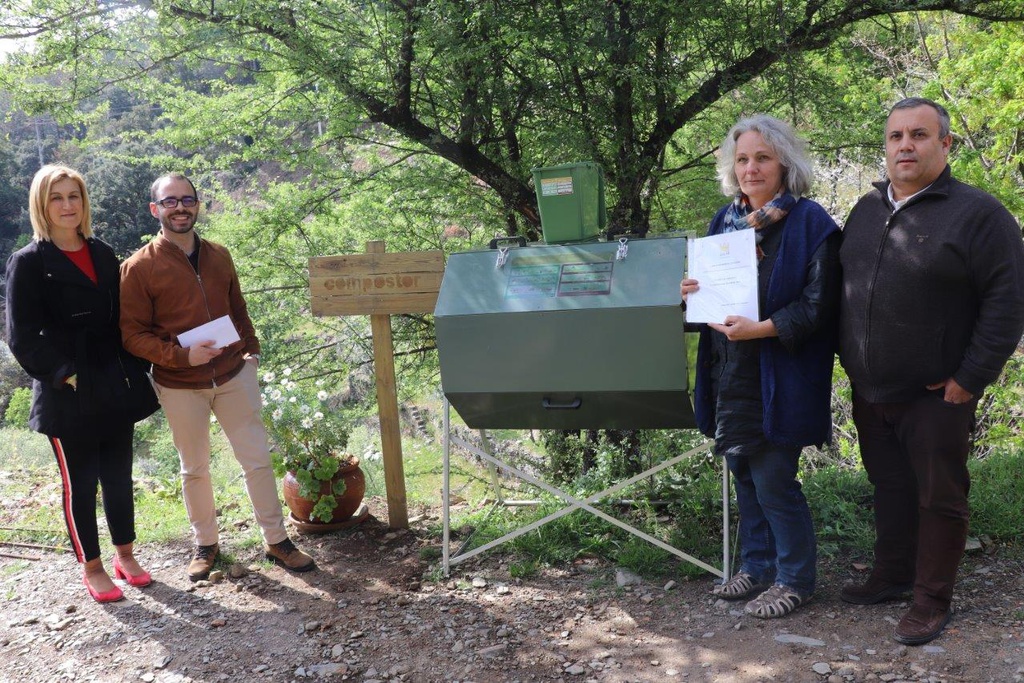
<point x="555" y="280"/>
<point x="555" y="186"/>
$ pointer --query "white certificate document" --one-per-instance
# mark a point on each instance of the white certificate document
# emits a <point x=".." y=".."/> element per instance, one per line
<point x="725" y="267"/>
<point x="220" y="331"/>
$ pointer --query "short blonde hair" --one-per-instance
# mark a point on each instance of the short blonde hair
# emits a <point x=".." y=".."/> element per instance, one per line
<point x="39" y="200"/>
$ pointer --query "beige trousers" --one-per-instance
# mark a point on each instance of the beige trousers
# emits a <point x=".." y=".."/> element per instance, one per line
<point x="236" y="404"/>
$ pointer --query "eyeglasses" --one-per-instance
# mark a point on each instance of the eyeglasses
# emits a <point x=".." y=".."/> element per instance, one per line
<point x="172" y="202"/>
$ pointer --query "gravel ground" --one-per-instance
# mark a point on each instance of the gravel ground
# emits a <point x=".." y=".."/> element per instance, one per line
<point x="372" y="612"/>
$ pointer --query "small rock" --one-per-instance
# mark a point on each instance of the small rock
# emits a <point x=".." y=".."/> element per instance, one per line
<point x="216" y="576"/>
<point x="801" y="640"/>
<point x="669" y="586"/>
<point x="624" y="577"/>
<point x="575" y="670"/>
<point x="329" y="669"/>
<point x="479" y="582"/>
<point x="821" y="668"/>
<point x="492" y="651"/>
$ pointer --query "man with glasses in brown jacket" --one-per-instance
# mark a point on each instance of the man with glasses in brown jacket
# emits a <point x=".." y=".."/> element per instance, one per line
<point x="175" y="283"/>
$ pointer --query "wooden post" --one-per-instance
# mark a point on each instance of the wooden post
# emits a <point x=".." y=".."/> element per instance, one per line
<point x="387" y="405"/>
<point x="380" y="285"/>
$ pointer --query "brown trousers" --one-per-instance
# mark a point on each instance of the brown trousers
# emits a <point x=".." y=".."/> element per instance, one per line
<point x="915" y="454"/>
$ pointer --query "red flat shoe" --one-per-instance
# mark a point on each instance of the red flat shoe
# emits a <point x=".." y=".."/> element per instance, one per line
<point x="143" y="579"/>
<point x="107" y="596"/>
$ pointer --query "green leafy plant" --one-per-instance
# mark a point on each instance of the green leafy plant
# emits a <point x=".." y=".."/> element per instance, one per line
<point x="18" y="409"/>
<point x="309" y="433"/>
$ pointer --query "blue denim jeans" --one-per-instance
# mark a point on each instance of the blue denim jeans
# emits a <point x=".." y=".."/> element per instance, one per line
<point x="776" y="533"/>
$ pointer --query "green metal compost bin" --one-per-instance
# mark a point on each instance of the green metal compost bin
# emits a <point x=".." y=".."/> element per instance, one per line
<point x="570" y="198"/>
<point x="582" y="336"/>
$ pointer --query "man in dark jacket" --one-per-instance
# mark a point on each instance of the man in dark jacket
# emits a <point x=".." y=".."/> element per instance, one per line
<point x="932" y="307"/>
<point x="175" y="283"/>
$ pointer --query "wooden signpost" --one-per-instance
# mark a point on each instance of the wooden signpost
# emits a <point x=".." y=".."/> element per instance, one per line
<point x="379" y="284"/>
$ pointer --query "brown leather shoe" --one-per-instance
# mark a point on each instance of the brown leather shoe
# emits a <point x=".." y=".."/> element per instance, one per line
<point x="202" y="561"/>
<point x="922" y="624"/>
<point x="873" y="591"/>
<point x="288" y="556"/>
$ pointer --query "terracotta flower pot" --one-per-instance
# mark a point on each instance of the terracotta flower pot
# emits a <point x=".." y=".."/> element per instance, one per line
<point x="348" y="502"/>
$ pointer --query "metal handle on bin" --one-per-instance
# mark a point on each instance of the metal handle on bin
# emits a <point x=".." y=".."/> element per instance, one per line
<point x="571" y="405"/>
<point x="518" y="239"/>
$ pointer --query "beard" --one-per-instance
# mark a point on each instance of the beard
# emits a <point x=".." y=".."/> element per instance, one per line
<point x="168" y="224"/>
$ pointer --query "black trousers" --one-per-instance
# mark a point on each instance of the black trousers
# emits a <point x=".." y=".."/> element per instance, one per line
<point x="86" y="462"/>
<point x="915" y="454"/>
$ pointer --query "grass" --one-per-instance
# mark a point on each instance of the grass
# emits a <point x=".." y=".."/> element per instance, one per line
<point x="31" y="480"/>
<point x="686" y="515"/>
<point x="997" y="496"/>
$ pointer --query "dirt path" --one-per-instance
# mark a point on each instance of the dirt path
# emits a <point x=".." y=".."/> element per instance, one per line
<point x="369" y="614"/>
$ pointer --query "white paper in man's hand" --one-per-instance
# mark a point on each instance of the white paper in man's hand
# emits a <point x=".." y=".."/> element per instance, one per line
<point x="725" y="268"/>
<point x="220" y="331"/>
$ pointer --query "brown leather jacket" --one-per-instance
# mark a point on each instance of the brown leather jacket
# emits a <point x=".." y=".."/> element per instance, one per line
<point x="163" y="296"/>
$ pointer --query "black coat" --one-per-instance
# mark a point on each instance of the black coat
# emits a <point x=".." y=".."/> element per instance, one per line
<point x="60" y="323"/>
<point x="932" y="291"/>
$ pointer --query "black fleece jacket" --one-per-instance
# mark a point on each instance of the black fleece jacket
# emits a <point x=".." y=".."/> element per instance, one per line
<point x="932" y="291"/>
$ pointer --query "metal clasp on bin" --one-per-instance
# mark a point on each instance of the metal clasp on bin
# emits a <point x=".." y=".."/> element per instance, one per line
<point x="620" y="253"/>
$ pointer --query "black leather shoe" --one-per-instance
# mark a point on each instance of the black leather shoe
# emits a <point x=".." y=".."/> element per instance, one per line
<point x="922" y="624"/>
<point x="873" y="591"/>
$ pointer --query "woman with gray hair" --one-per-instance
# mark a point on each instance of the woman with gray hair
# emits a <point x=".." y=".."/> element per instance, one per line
<point x="763" y="387"/>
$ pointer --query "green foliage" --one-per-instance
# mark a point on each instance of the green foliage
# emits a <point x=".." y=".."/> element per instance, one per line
<point x="1000" y="416"/>
<point x="997" y="495"/>
<point x="18" y="408"/>
<point x="840" y="501"/>
<point x="340" y="91"/>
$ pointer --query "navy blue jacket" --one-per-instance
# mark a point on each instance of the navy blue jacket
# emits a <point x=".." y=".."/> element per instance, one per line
<point x="796" y="366"/>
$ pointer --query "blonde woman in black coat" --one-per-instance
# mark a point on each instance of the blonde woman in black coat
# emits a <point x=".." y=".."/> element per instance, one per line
<point x="87" y="391"/>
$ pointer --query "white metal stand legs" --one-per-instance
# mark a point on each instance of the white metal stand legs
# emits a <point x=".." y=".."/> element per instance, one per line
<point x="574" y="504"/>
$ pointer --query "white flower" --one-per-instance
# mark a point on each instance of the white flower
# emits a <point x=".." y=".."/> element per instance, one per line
<point x="306" y="423"/>
<point x="292" y="399"/>
<point x="213" y="419"/>
<point x="318" y="415"/>
<point x="304" y="409"/>
<point x="322" y="395"/>
<point x="277" y="414"/>
<point x="269" y="377"/>
<point x="286" y="372"/>
<point x="276" y="394"/>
